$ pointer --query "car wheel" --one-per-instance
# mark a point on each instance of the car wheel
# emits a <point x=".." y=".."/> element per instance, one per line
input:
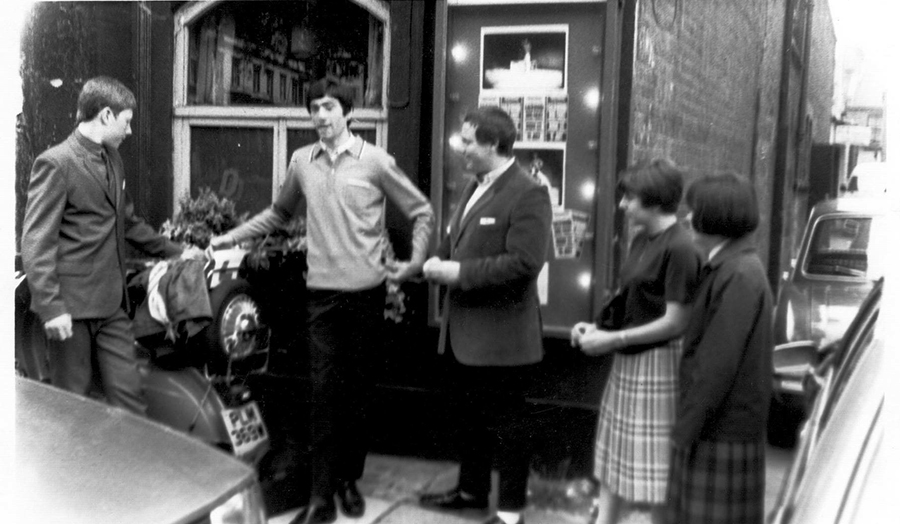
<point x="236" y="318"/>
<point x="784" y="424"/>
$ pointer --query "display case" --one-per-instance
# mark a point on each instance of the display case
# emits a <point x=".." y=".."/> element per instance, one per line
<point x="542" y="63"/>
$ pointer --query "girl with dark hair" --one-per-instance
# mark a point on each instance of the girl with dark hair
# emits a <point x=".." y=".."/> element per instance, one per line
<point x="638" y="405"/>
<point x="717" y="473"/>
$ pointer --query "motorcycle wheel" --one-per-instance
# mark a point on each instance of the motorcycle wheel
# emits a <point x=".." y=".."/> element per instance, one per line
<point x="236" y="316"/>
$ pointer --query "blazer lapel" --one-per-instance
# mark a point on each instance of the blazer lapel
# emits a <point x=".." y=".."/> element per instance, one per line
<point x="456" y="222"/>
<point x="97" y="176"/>
<point x="483" y="201"/>
<point x="111" y="186"/>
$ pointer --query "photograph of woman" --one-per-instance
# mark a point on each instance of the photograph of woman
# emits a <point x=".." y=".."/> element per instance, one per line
<point x="637" y="409"/>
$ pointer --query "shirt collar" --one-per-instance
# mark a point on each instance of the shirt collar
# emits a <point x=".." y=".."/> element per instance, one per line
<point x="718" y="247"/>
<point x="489" y="177"/>
<point x="731" y="248"/>
<point x="354" y="146"/>
<point x="88" y="144"/>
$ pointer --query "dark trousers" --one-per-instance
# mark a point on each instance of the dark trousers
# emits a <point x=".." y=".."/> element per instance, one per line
<point x="490" y="410"/>
<point x="344" y="342"/>
<point x="107" y="347"/>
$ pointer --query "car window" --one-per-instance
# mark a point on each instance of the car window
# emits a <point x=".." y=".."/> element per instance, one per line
<point x="839" y="247"/>
<point x="856" y="347"/>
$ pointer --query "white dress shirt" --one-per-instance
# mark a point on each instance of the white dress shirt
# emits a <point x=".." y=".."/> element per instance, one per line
<point x="485" y="182"/>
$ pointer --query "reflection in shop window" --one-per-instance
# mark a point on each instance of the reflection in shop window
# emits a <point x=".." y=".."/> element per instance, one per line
<point x="235" y="163"/>
<point x="239" y="50"/>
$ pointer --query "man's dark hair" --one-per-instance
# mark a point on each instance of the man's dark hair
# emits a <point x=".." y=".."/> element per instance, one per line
<point x="723" y="204"/>
<point x="493" y="126"/>
<point x="328" y="87"/>
<point x="100" y="92"/>
<point x="658" y="182"/>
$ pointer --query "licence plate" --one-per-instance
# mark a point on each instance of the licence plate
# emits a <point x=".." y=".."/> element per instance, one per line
<point x="245" y="428"/>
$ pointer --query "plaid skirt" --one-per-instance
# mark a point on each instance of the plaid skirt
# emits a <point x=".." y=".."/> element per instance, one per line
<point x="717" y="482"/>
<point x="632" y="452"/>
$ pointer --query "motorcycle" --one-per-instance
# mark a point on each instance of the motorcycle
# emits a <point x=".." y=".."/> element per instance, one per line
<point x="198" y="385"/>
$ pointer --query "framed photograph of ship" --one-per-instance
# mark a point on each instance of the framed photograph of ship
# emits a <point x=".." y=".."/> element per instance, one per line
<point x="529" y="58"/>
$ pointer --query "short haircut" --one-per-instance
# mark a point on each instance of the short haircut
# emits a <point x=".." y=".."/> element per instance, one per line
<point x="328" y="87"/>
<point x="493" y="126"/>
<point x="723" y="204"/>
<point x="100" y="92"/>
<point x="658" y="182"/>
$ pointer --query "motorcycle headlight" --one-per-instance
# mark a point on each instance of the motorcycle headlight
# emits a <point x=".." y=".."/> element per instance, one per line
<point x="245" y="507"/>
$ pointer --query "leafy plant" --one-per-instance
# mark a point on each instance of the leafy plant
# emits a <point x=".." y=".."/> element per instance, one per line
<point x="199" y="219"/>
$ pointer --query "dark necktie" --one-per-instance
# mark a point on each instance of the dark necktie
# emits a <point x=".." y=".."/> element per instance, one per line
<point x="110" y="177"/>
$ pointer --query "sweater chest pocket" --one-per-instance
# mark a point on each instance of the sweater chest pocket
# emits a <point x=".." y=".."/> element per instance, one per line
<point x="361" y="196"/>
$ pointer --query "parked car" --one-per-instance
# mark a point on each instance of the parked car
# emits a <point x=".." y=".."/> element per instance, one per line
<point x="842" y="472"/>
<point x="836" y="268"/>
<point x="80" y="461"/>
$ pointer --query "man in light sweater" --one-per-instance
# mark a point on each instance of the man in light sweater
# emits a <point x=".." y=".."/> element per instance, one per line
<point x="341" y="183"/>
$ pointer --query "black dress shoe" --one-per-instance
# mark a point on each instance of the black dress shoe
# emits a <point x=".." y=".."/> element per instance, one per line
<point x="317" y="512"/>
<point x="497" y="520"/>
<point x="352" y="502"/>
<point x="453" y="499"/>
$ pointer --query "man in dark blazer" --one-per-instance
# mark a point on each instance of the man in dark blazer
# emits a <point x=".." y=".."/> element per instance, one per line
<point x="77" y="219"/>
<point x="491" y="327"/>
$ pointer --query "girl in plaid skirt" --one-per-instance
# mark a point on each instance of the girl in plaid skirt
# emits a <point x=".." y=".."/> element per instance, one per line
<point x="638" y="406"/>
<point x="718" y="465"/>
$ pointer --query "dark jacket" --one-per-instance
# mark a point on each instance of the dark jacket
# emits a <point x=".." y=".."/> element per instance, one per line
<point x="493" y="317"/>
<point x="75" y="228"/>
<point x="725" y="377"/>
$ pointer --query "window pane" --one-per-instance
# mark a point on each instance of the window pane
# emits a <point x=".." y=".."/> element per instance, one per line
<point x="298" y="138"/>
<point x="235" y="163"/>
<point x="267" y="53"/>
<point x="840" y="247"/>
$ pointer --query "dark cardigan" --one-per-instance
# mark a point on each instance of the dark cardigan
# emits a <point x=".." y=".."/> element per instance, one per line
<point x="725" y="379"/>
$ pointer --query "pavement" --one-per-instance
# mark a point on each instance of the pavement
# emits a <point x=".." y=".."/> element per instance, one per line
<point x="391" y="485"/>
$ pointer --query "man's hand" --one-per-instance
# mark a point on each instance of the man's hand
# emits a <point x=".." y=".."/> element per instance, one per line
<point x="216" y="243"/>
<point x="441" y="271"/>
<point x="578" y="331"/>
<point x="399" y="272"/>
<point x="193" y="253"/>
<point x="221" y="242"/>
<point x="59" y="328"/>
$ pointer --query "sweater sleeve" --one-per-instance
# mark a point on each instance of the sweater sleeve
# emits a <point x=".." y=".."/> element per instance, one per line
<point x="412" y="203"/>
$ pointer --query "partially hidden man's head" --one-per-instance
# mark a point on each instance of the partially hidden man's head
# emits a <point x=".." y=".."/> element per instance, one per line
<point x="493" y="125"/>
<point x="108" y="106"/>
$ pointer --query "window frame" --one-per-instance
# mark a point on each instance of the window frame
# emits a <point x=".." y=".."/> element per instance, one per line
<point x="278" y="119"/>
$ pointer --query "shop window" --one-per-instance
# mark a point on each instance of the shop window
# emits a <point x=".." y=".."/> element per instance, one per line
<point x="242" y="72"/>
<point x="234" y="163"/>
<point x="236" y="46"/>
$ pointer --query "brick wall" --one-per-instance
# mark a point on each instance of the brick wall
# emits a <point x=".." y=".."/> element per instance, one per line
<point x="821" y="71"/>
<point x="707" y="80"/>
<point x="697" y="67"/>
